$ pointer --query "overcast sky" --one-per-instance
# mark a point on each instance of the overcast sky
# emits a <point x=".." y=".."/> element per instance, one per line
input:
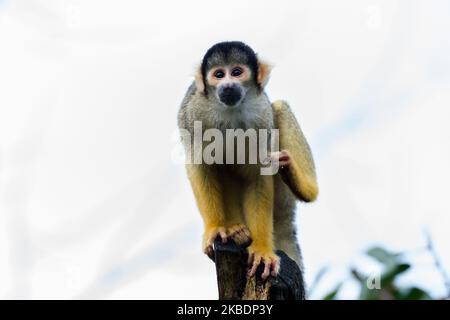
<point x="92" y="201"/>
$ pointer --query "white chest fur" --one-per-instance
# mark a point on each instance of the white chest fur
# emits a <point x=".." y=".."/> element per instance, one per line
<point x="245" y="116"/>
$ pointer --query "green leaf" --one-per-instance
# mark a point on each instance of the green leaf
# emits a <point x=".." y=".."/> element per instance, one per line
<point x="383" y="256"/>
<point x="332" y="295"/>
<point x="412" y="293"/>
<point x="389" y="276"/>
<point x="369" y="294"/>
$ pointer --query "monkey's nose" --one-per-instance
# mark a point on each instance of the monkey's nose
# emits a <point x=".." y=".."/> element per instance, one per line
<point x="230" y="95"/>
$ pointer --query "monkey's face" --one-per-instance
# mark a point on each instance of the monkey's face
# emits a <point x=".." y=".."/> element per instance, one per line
<point x="229" y="83"/>
<point x="230" y="71"/>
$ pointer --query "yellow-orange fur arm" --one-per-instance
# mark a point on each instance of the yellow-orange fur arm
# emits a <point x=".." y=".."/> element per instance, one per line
<point x="208" y="195"/>
<point x="301" y="175"/>
<point x="258" y="208"/>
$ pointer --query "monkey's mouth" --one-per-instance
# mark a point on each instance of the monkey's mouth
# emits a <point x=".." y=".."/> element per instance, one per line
<point x="230" y="96"/>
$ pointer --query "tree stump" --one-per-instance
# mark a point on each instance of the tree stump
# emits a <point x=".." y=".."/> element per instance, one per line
<point x="232" y="268"/>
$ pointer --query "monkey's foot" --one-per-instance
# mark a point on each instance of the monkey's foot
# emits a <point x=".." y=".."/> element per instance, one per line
<point x="209" y="236"/>
<point x="240" y="234"/>
<point x="269" y="259"/>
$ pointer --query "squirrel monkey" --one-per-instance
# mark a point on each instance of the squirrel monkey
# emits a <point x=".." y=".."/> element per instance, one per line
<point x="235" y="200"/>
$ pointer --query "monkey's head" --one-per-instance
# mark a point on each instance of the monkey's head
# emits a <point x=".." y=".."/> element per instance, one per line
<point x="229" y="71"/>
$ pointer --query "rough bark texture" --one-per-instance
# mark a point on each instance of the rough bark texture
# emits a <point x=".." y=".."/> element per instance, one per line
<point x="231" y="267"/>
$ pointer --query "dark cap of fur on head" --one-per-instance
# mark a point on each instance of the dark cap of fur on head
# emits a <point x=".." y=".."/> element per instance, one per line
<point x="229" y="52"/>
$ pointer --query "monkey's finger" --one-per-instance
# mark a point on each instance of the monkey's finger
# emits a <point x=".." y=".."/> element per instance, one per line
<point x="284" y="153"/>
<point x="275" y="267"/>
<point x="255" y="265"/>
<point x="212" y="256"/>
<point x="243" y="236"/>
<point x="266" y="271"/>
<point x="275" y="155"/>
<point x="239" y="237"/>
<point x="247" y="233"/>
<point x="284" y="163"/>
<point x="209" y="251"/>
<point x="250" y="258"/>
<point x="223" y="235"/>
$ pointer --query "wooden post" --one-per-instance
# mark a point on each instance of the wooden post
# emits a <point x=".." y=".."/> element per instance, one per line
<point x="231" y="268"/>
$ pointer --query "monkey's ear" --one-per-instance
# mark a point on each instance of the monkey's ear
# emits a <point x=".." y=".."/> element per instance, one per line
<point x="199" y="83"/>
<point x="264" y="70"/>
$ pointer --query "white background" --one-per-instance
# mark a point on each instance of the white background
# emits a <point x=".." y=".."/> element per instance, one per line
<point x="92" y="201"/>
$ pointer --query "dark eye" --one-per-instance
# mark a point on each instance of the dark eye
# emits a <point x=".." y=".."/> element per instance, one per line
<point x="219" y="74"/>
<point x="236" y="72"/>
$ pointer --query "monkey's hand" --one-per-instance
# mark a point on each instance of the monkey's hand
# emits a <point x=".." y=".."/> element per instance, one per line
<point x="240" y="234"/>
<point x="284" y="161"/>
<point x="282" y="158"/>
<point x="270" y="260"/>
<point x="209" y="236"/>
